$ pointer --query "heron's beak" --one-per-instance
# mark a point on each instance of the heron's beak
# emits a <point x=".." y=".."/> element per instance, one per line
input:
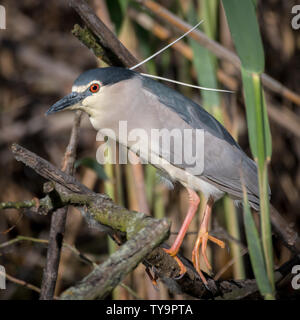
<point x="68" y="101"/>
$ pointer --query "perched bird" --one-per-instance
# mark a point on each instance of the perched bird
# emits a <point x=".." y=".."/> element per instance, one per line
<point x="114" y="94"/>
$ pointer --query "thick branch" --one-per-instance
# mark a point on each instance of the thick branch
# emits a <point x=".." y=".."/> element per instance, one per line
<point x="100" y="282"/>
<point x="85" y="36"/>
<point x="47" y="170"/>
<point x="116" y="53"/>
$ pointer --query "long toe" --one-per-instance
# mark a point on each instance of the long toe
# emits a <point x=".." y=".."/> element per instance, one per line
<point x="217" y="241"/>
<point x="196" y="259"/>
<point x="196" y="255"/>
<point x="179" y="262"/>
<point x="203" y="250"/>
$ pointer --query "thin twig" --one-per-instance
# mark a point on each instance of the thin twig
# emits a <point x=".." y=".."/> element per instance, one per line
<point x="21" y="282"/>
<point x="132" y="292"/>
<point x="81" y="256"/>
<point x="229" y="264"/>
<point x="18" y="204"/>
<point x="14" y="225"/>
<point x="58" y="221"/>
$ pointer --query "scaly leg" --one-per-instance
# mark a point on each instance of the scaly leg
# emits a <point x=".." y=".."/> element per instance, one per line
<point x="202" y="238"/>
<point x="193" y="206"/>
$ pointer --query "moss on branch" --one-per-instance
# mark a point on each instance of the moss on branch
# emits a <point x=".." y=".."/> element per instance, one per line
<point x="86" y="36"/>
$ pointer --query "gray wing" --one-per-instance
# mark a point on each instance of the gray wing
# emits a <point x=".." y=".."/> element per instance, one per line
<point x="188" y="110"/>
<point x="224" y="165"/>
<point x="224" y="160"/>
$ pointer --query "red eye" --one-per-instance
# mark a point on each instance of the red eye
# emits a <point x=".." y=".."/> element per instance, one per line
<point x="94" y="87"/>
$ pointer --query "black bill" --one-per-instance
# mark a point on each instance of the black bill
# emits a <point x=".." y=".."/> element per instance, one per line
<point x="67" y="101"/>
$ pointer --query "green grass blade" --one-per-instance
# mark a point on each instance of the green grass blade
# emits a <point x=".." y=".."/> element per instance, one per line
<point x="256" y="252"/>
<point x="209" y="10"/>
<point x="257" y="118"/>
<point x="123" y="5"/>
<point x="241" y="17"/>
<point x="92" y="164"/>
<point x="150" y="183"/>
<point x="232" y="226"/>
<point x="263" y="129"/>
<point x="242" y="21"/>
<point x="260" y="141"/>
<point x="205" y="66"/>
<point x="250" y="110"/>
<point x="267" y="131"/>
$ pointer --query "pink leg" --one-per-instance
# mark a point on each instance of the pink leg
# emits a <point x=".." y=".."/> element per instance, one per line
<point x="193" y="206"/>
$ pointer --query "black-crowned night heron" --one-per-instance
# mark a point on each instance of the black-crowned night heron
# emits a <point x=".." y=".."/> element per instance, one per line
<point x="113" y="94"/>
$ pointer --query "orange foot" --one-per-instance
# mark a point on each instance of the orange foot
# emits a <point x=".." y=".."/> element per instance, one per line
<point x="179" y="262"/>
<point x="201" y="243"/>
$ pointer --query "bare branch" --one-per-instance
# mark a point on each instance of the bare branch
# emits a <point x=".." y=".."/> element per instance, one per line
<point x="86" y="36"/>
<point x="105" y="277"/>
<point x="58" y="221"/>
<point x="18" y="204"/>
<point x="116" y="53"/>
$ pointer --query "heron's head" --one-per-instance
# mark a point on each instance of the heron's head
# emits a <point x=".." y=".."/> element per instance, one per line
<point x="93" y="89"/>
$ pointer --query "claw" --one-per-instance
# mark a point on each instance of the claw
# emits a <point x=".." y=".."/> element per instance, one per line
<point x="179" y="262"/>
<point x="152" y="278"/>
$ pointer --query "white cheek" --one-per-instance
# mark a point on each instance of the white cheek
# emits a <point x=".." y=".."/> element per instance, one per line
<point x="79" y="88"/>
<point x="90" y="101"/>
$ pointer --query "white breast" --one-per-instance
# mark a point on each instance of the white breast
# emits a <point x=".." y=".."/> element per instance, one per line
<point x="188" y="180"/>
